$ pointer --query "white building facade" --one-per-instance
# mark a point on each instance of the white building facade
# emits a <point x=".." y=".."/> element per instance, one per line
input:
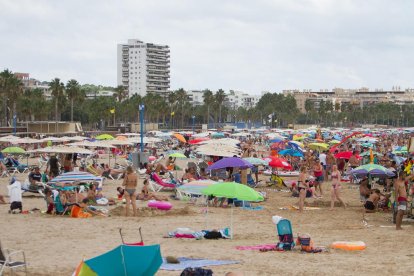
<point x="143" y="67"/>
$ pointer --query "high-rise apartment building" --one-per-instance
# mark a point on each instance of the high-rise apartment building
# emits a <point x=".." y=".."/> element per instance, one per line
<point x="143" y="67"/>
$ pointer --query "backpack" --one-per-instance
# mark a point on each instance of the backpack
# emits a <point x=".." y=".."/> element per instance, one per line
<point x="196" y="271"/>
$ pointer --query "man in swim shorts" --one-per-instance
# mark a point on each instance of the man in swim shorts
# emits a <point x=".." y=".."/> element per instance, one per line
<point x="401" y="196"/>
<point x="372" y="201"/>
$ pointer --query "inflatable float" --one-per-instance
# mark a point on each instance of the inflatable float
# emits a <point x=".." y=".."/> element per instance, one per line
<point x="161" y="205"/>
<point x="349" y="245"/>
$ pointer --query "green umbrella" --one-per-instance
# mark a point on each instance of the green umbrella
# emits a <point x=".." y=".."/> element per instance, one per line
<point x="233" y="190"/>
<point x="256" y="161"/>
<point x="177" y="155"/>
<point x="367" y="153"/>
<point x="13" y="150"/>
<point x="104" y="137"/>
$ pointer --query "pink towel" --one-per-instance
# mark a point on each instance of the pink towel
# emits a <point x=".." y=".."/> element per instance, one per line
<point x="257" y="247"/>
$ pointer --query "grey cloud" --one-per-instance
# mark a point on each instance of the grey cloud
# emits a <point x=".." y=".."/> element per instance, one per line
<point x="245" y="45"/>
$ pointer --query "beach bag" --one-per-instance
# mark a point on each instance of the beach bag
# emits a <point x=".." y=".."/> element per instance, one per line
<point x="196" y="271"/>
<point x="213" y="235"/>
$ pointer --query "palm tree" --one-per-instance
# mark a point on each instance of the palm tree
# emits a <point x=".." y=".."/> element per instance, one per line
<point x="10" y="89"/>
<point x="208" y="101"/>
<point x="172" y="101"/>
<point x="58" y="94"/>
<point x="121" y="93"/>
<point x="74" y="92"/>
<point x="219" y="97"/>
<point x="182" y="99"/>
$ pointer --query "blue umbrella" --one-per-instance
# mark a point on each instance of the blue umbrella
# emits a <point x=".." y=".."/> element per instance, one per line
<point x="276" y="140"/>
<point x="372" y="170"/>
<point x="70" y="177"/>
<point x="230" y="162"/>
<point x="291" y="152"/>
<point x="218" y="135"/>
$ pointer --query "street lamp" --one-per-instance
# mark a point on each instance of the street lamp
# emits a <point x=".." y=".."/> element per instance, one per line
<point x="193" y="117"/>
<point x="141" y="122"/>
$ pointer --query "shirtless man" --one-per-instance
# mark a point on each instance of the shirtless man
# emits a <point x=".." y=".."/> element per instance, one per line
<point x="372" y="201"/>
<point x="401" y="197"/>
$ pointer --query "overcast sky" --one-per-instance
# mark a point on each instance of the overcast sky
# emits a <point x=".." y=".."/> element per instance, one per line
<point x="251" y="46"/>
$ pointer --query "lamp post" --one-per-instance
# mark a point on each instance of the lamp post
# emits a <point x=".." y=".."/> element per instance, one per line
<point x="141" y="122"/>
<point x="193" y="117"/>
<point x="14" y="123"/>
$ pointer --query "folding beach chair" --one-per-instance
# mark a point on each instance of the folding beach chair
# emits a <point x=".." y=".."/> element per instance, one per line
<point x="285" y="233"/>
<point x="6" y="260"/>
<point x="141" y="243"/>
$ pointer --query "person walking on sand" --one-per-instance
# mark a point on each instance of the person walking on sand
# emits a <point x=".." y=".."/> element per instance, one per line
<point x="303" y="186"/>
<point x="401" y="197"/>
<point x="318" y="173"/>
<point x="130" y="183"/>
<point x="336" y="187"/>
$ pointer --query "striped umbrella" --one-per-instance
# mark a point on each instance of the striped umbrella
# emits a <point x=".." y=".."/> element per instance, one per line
<point x="70" y="177"/>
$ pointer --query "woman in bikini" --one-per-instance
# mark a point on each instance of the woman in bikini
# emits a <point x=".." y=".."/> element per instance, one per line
<point x="130" y="183"/>
<point x="303" y="186"/>
<point x="336" y="187"/>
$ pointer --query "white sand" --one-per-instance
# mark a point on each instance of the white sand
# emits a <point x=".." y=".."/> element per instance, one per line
<point x="54" y="245"/>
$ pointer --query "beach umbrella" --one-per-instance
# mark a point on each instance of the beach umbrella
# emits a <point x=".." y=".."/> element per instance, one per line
<point x="13" y="150"/>
<point x="218" y="135"/>
<point x="372" y="170"/>
<point x="177" y="155"/>
<point x="104" y="137"/>
<point x="334" y="142"/>
<point x="318" y="146"/>
<point x="345" y="155"/>
<point x="123" y="260"/>
<point x="230" y="162"/>
<point x="256" y="161"/>
<point x="291" y="152"/>
<point x="367" y="153"/>
<point x="198" y="141"/>
<point x="121" y="138"/>
<point x="277" y="140"/>
<point x="180" y="137"/>
<point x="232" y="190"/>
<point x="276" y="162"/>
<point x="81" y="177"/>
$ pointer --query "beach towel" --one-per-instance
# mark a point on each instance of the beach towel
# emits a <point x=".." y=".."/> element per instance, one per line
<point x="189" y="262"/>
<point x="257" y="247"/>
<point x="251" y="208"/>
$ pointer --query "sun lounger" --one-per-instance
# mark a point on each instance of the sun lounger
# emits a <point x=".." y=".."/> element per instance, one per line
<point x="157" y="184"/>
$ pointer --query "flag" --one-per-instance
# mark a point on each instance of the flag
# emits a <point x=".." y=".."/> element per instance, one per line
<point x="112" y="111"/>
<point x="172" y="113"/>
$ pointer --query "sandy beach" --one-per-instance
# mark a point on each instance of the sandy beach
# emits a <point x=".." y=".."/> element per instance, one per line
<point x="55" y="245"/>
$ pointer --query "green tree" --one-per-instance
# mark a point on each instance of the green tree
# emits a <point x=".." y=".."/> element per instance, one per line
<point x="58" y="94"/>
<point x="121" y="93"/>
<point x="182" y="100"/>
<point x="11" y="88"/>
<point x="209" y="100"/>
<point x="219" y="98"/>
<point x="74" y="93"/>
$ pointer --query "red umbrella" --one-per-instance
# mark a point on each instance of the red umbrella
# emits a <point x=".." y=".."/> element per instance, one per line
<point x="198" y="140"/>
<point x="345" y="155"/>
<point x="277" y="162"/>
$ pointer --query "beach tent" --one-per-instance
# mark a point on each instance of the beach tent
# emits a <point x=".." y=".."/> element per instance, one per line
<point x="124" y="260"/>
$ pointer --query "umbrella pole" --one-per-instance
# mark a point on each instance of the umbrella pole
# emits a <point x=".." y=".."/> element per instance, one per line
<point x="231" y="221"/>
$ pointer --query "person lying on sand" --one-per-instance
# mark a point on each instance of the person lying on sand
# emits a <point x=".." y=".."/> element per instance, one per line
<point x="372" y="202"/>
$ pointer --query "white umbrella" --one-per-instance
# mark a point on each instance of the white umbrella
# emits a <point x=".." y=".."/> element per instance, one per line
<point x="25" y="141"/>
<point x="63" y="149"/>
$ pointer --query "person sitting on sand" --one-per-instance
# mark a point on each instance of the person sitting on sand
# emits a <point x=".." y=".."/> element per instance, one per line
<point x="364" y="189"/>
<point x="189" y="175"/>
<point x="146" y="195"/>
<point x="170" y="164"/>
<point x="372" y="202"/>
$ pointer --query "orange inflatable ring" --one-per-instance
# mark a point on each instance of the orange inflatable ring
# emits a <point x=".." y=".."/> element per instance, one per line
<point x="349" y="245"/>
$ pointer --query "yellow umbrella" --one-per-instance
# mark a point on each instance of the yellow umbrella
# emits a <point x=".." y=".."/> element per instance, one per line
<point x="318" y="146"/>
